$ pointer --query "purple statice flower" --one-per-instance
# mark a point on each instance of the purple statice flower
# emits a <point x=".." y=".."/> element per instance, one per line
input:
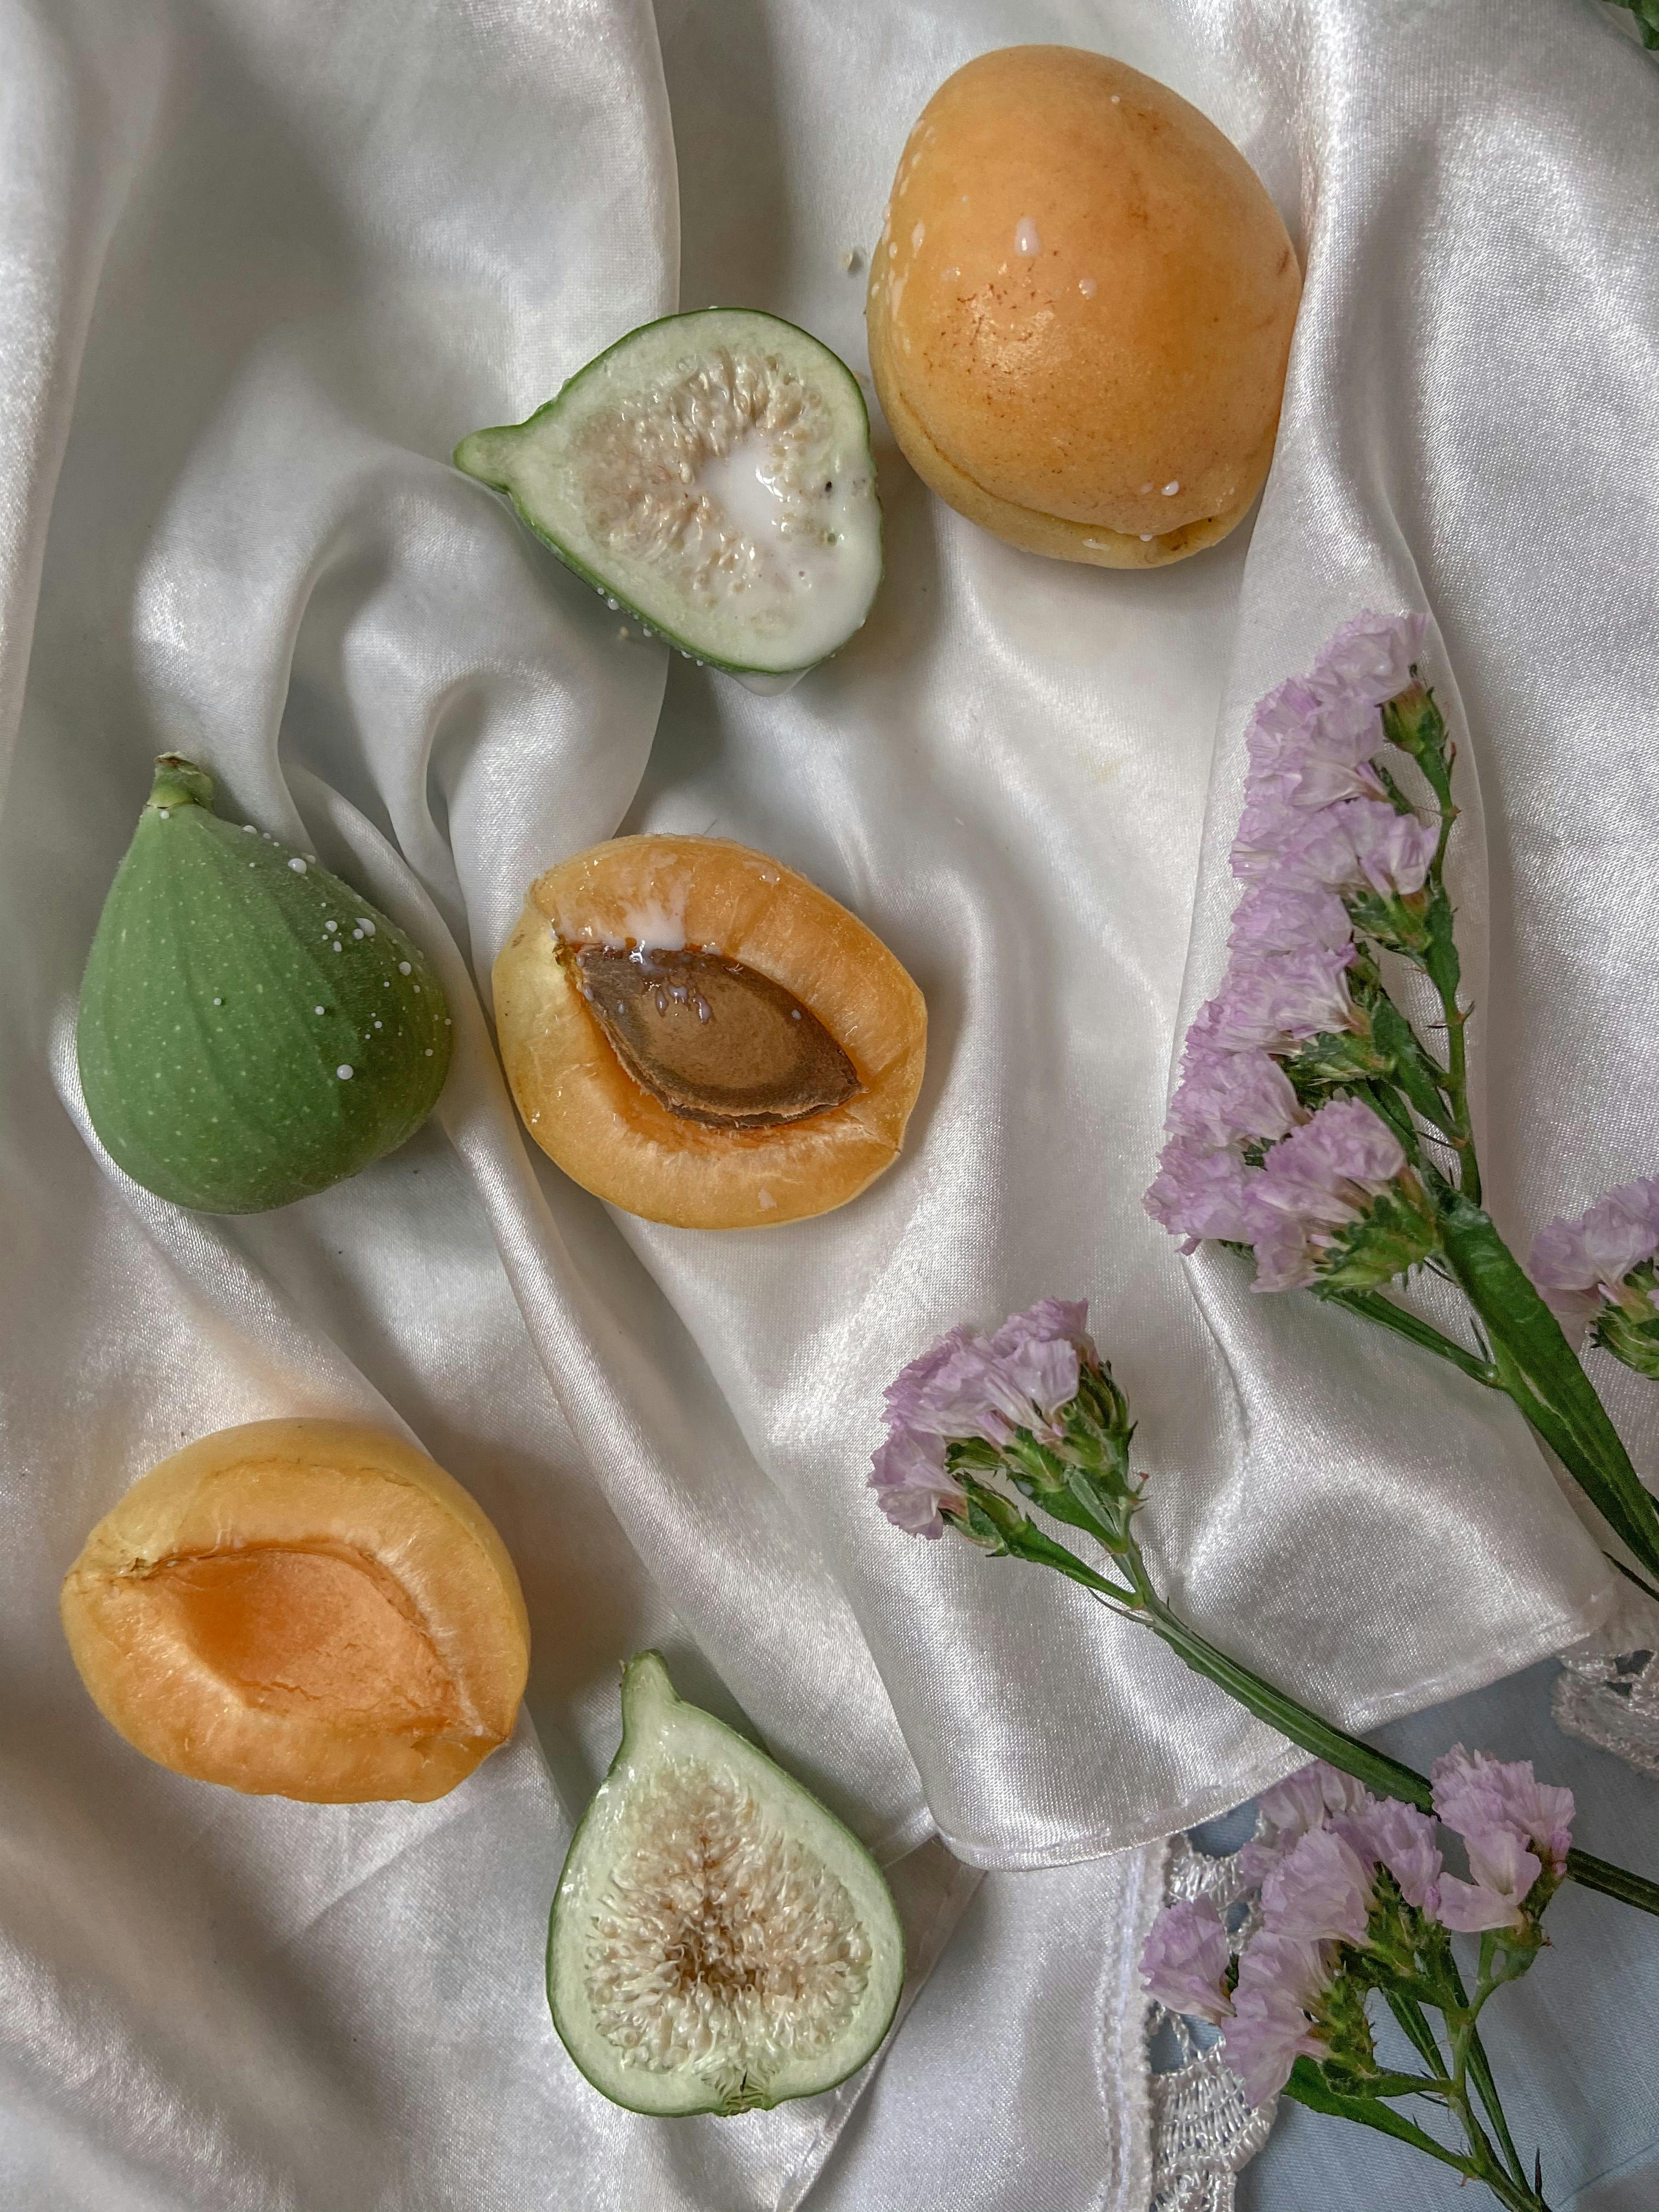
<point x="969" y="1384"/>
<point x="1275" y="917"/>
<point x="1199" y="1192"/>
<point x="1270" y="1001"/>
<point x="911" y="1386"/>
<point x="1504" y="1871"/>
<point x="1281" y="1979"/>
<point x="1316" y="823"/>
<point x="1514" y="1827"/>
<point x="1397" y="1836"/>
<point x="1320" y="1181"/>
<point x="1185" y="1960"/>
<point x="912" y="1486"/>
<point x="1302" y="1801"/>
<point x="1578" y="1262"/>
<point x="1306" y="747"/>
<point x="1226" y="1098"/>
<point x="1360" y="844"/>
<point x="1370" y="659"/>
<point x="1269" y="821"/>
<point x="1473" y="1791"/>
<point x="1319" y="1889"/>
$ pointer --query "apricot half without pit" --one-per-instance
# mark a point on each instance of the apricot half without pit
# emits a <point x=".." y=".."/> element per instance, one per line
<point x="701" y="1037"/>
<point x="301" y="1609"/>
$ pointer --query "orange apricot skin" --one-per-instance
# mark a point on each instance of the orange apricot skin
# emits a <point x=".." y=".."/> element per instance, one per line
<point x="301" y="1609"/>
<point x="1080" y="311"/>
<point x="612" y="1136"/>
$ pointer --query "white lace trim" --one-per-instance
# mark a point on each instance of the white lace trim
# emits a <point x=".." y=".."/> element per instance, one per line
<point x="1607" y="1690"/>
<point x="1203" y="2132"/>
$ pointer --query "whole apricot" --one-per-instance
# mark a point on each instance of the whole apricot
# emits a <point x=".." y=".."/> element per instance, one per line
<point x="1080" y="310"/>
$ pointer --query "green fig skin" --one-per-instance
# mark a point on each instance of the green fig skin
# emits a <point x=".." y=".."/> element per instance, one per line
<point x="231" y="981"/>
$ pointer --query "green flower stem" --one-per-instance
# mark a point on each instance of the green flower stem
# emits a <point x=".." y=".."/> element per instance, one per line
<point x="997" y="1524"/>
<point x="1415" y="2022"/>
<point x="1457" y="1090"/>
<point x="1480" y="2072"/>
<point x="1365" y="2097"/>
<point x="1371" y="1305"/>
<point x="1539" y="1370"/>
<point x="1309" y="2086"/>
<point x="1388" y="1776"/>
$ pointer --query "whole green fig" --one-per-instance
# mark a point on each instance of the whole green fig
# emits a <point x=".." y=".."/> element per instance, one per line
<point x="251" y="1028"/>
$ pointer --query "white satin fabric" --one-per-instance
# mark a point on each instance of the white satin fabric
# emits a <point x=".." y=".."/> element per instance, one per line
<point x="262" y="262"/>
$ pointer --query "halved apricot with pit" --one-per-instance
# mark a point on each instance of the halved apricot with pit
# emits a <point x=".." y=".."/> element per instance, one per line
<point x="701" y="1037"/>
<point x="303" y="1609"/>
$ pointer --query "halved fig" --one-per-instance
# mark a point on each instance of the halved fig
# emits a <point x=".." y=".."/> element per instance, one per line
<point x="710" y="472"/>
<point x="701" y="1037"/>
<point x="301" y="1609"/>
<point x="719" y="1942"/>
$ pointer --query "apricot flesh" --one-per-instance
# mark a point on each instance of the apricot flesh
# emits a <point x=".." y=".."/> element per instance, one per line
<point x="771" y="1153"/>
<point x="301" y="1609"/>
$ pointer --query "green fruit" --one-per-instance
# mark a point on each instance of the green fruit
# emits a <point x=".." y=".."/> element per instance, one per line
<point x="251" y="1028"/>
<point x="719" y="1940"/>
<point x="711" y="473"/>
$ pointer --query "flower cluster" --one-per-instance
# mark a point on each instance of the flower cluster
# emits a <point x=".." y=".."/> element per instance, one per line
<point x="1354" y="1896"/>
<point x="973" y="1386"/>
<point x="1328" y="854"/>
<point x="1598" y="1273"/>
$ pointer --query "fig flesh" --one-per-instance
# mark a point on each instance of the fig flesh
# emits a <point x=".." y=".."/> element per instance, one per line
<point x="719" y="1942"/>
<point x="712" y="474"/>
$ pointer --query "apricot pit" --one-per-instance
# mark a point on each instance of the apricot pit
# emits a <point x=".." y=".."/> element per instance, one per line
<point x="701" y="1037"/>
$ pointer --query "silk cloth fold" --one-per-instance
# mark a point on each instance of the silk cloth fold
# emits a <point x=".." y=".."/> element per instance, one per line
<point x="261" y="265"/>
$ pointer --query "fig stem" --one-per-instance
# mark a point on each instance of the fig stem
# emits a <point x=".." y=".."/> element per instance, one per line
<point x="178" y="782"/>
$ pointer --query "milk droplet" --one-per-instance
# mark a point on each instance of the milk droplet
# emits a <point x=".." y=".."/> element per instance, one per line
<point x="951" y="274"/>
<point x="1087" y="286"/>
<point x="297" y="864"/>
<point x="917" y="235"/>
<point x="316" y="1010"/>
<point x="403" y="968"/>
<point x="1026" y="241"/>
<point x="1171" y="488"/>
<point x="765" y="1200"/>
<point x="344" y="1072"/>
